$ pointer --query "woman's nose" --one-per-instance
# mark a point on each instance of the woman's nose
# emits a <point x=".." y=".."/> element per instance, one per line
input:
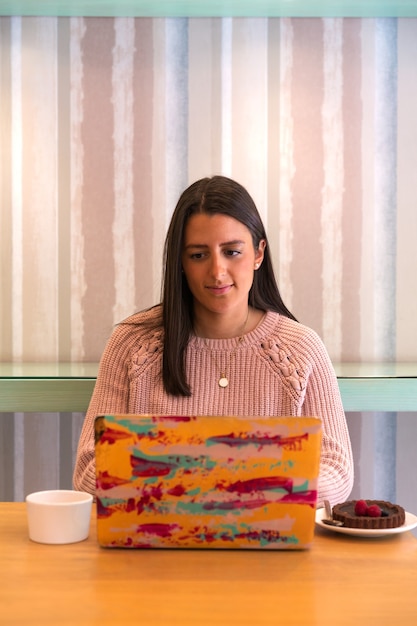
<point x="217" y="266"/>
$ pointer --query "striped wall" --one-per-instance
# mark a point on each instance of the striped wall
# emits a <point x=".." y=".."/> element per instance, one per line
<point x="104" y="121"/>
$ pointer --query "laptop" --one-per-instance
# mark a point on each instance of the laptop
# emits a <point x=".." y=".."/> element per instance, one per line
<point x="175" y="481"/>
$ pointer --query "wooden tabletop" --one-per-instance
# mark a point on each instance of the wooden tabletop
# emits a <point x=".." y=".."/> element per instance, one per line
<point x="341" y="580"/>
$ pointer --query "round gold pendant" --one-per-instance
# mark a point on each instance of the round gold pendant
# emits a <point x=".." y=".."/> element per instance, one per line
<point x="223" y="382"/>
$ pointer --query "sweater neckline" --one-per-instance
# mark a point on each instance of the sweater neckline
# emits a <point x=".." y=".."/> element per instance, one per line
<point x="265" y="326"/>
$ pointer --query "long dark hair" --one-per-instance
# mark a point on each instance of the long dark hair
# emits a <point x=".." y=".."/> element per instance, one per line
<point x="218" y="194"/>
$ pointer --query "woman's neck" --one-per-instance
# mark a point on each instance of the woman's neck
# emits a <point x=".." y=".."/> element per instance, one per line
<point x="219" y="326"/>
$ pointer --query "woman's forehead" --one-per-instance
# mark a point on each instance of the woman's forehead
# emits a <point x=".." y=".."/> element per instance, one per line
<point x="202" y="228"/>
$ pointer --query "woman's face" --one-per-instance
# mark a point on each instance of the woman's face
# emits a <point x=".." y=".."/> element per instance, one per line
<point x="218" y="260"/>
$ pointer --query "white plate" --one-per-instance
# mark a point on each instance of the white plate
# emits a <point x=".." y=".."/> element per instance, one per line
<point x="409" y="524"/>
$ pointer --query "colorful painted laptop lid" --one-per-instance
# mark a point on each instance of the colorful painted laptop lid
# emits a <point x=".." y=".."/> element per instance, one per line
<point x="206" y="482"/>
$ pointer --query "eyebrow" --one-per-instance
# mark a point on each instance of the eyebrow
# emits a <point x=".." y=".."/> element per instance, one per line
<point x="225" y="243"/>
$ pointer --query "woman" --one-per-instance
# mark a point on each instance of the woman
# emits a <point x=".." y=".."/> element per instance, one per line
<point x="222" y="341"/>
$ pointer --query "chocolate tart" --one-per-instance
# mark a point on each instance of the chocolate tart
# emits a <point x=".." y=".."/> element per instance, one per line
<point x="393" y="515"/>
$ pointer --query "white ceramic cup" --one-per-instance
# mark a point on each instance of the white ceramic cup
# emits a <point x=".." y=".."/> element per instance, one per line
<point x="59" y="516"/>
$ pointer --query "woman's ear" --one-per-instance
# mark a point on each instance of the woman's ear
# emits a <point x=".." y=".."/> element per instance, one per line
<point x="259" y="254"/>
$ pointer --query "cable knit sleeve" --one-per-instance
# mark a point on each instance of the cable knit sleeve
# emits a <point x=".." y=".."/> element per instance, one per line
<point x="111" y="394"/>
<point x="322" y="399"/>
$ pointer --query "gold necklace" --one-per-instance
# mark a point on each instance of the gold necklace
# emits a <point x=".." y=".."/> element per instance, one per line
<point x="224" y="380"/>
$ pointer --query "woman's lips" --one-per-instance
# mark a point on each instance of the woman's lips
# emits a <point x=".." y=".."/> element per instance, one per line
<point x="219" y="291"/>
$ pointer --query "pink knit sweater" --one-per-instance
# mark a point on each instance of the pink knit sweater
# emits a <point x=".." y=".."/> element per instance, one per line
<point x="280" y="368"/>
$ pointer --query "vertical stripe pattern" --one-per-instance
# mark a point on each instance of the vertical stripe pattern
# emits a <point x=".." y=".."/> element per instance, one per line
<point x="123" y="241"/>
<point x="78" y="286"/>
<point x="105" y="121"/>
<point x="286" y="163"/>
<point x="385" y="186"/>
<point x="333" y="187"/>
<point x="16" y="148"/>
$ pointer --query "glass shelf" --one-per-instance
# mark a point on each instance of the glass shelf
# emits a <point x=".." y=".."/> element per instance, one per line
<point x="211" y="8"/>
<point x="67" y="387"/>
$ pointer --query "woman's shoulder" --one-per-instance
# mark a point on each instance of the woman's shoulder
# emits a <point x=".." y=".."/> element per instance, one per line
<point x="295" y="350"/>
<point x="284" y="330"/>
<point x="138" y="329"/>
<point x="296" y="329"/>
<point x="279" y="324"/>
<point x="135" y="341"/>
<point x="145" y="318"/>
